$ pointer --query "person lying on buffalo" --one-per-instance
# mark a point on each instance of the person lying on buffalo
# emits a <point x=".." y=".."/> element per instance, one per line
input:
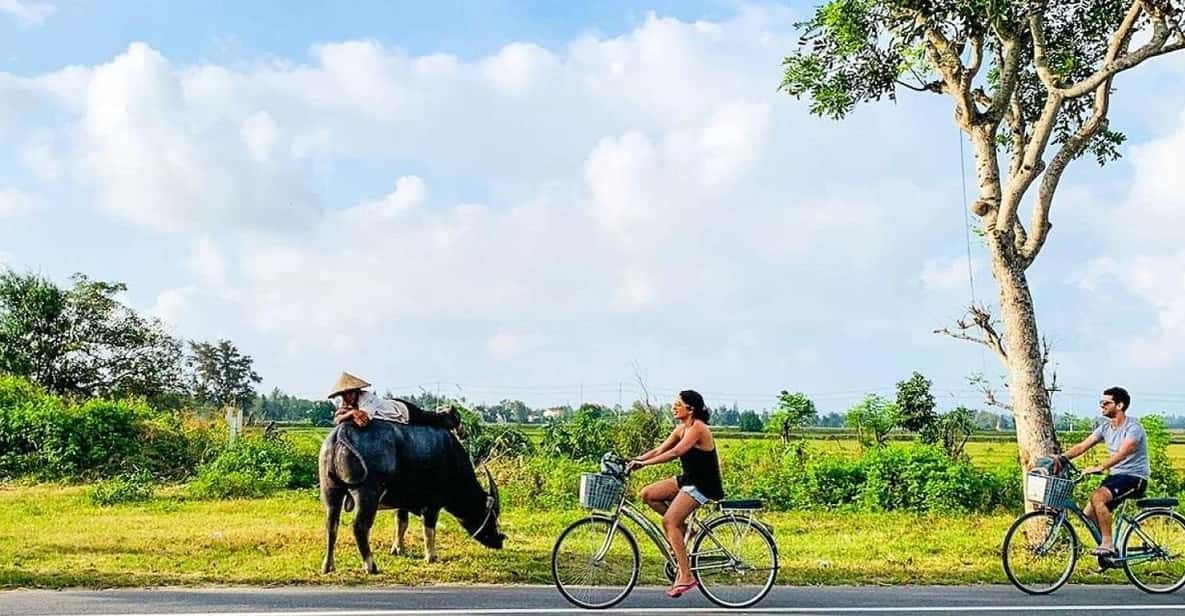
<point x="361" y="407"/>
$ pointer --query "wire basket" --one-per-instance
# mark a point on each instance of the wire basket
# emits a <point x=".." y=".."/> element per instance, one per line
<point x="600" y="491"/>
<point x="1048" y="490"/>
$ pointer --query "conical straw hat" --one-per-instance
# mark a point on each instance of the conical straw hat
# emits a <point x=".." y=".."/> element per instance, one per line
<point x="345" y="383"/>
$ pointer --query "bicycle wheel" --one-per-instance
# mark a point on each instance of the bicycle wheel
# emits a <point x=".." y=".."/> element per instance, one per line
<point x="592" y="569"/>
<point x="1040" y="552"/>
<point x="735" y="561"/>
<point x="1158" y="550"/>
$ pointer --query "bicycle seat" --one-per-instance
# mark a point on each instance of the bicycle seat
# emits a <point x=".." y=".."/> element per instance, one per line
<point x="1145" y="503"/>
<point x="740" y="504"/>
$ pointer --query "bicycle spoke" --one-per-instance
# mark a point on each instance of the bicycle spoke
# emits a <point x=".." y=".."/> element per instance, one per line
<point x="592" y="568"/>
<point x="1154" y="552"/>
<point x="735" y="562"/>
<point x="1039" y="552"/>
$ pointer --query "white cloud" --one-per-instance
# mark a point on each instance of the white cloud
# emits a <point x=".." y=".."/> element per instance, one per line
<point x="207" y="263"/>
<point x="947" y="274"/>
<point x="259" y="135"/>
<point x="372" y="217"/>
<point x="159" y="160"/>
<point x="518" y="67"/>
<point x="27" y="13"/>
<point x="15" y="203"/>
<point x="1141" y="255"/>
<point x="41" y="159"/>
<point x="527" y="205"/>
<point x="633" y="292"/>
<point x="505" y="346"/>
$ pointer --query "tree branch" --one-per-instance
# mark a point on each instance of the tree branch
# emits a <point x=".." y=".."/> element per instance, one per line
<point x="1116" y="63"/>
<point x="981" y="319"/>
<point x="1016" y="124"/>
<point x="1040" y="56"/>
<point x="989" y="395"/>
<point x="944" y="57"/>
<point x="1019" y="235"/>
<point x="976" y="62"/>
<point x="1069" y="151"/>
<point x="1031" y="164"/>
<point x="1009" y="74"/>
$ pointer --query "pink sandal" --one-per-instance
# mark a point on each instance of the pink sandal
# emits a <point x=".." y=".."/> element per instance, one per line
<point x="677" y="591"/>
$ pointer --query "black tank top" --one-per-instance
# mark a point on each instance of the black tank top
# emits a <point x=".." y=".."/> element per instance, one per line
<point x="701" y="469"/>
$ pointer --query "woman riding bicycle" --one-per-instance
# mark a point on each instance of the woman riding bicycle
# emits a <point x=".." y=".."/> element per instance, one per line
<point x="675" y="498"/>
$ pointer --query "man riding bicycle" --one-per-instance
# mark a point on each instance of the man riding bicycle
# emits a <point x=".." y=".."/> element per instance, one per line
<point x="1128" y="463"/>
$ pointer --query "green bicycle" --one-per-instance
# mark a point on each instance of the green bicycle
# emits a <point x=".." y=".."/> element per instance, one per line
<point x="1041" y="548"/>
<point x="595" y="562"/>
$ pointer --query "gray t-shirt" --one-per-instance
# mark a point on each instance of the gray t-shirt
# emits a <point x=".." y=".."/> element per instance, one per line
<point x="1135" y="464"/>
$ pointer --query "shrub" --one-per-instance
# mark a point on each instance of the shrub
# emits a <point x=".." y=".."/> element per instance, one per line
<point x="136" y="486"/>
<point x="638" y="431"/>
<point x="254" y="466"/>
<point x="834" y="482"/>
<point x="174" y="446"/>
<point x="586" y="436"/>
<point x="51" y="439"/>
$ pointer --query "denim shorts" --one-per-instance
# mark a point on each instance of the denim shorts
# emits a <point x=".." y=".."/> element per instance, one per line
<point x="696" y="494"/>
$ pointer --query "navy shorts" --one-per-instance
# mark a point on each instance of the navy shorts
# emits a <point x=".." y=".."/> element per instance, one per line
<point x="1123" y="487"/>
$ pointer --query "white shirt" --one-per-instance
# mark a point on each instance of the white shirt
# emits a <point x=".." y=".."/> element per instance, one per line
<point x="381" y="408"/>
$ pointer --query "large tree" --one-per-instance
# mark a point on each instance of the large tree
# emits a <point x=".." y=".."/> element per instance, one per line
<point x="82" y="340"/>
<point x="794" y="411"/>
<point x="221" y="375"/>
<point x="1031" y="84"/>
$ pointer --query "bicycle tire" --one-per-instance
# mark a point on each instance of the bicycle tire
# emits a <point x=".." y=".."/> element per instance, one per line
<point x="1073" y="552"/>
<point x="635" y="569"/>
<point x="1131" y="531"/>
<point x="697" y="558"/>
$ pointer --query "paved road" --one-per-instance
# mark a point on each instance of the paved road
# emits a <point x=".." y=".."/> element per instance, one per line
<point x="543" y="600"/>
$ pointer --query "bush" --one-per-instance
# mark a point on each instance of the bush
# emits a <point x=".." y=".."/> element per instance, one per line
<point x="51" y="439"/>
<point x="137" y="486"/>
<point x="586" y="436"/>
<point x="47" y="437"/>
<point x="835" y="482"/>
<point x="254" y="466"/>
<point x="496" y="441"/>
<point x="638" y="431"/>
<point x="174" y="446"/>
<point x="543" y="482"/>
<point x="1165" y="479"/>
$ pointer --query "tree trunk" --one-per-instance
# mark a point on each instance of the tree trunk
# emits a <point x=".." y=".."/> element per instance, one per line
<point x="1026" y="377"/>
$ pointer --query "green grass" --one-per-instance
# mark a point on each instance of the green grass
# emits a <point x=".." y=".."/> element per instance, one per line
<point x="985" y="452"/>
<point x="52" y="536"/>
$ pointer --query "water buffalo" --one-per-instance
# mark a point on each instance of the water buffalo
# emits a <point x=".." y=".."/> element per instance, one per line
<point x="413" y="468"/>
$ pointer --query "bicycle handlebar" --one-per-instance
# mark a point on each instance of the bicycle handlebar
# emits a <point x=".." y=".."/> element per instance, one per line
<point x="1075" y="475"/>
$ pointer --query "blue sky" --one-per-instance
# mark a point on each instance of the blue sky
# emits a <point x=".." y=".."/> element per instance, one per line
<point x="537" y="200"/>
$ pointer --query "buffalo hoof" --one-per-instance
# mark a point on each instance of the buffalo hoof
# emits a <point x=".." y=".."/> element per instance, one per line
<point x="396" y="550"/>
<point x="372" y="568"/>
<point x="429" y="558"/>
<point x="326" y="568"/>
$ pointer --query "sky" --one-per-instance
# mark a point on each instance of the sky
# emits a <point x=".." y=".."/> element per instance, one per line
<point x="554" y="203"/>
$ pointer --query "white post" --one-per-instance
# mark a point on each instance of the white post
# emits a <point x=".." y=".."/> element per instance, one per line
<point x="234" y="421"/>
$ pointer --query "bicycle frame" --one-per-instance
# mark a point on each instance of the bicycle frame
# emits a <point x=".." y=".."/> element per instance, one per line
<point x="651" y="530"/>
<point x="1121" y="518"/>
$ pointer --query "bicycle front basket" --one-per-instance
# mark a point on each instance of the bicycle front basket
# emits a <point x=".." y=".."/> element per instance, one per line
<point x="1048" y="490"/>
<point x="599" y="491"/>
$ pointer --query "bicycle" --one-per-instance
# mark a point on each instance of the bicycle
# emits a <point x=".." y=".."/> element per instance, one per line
<point x="1046" y="535"/>
<point x="602" y="557"/>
